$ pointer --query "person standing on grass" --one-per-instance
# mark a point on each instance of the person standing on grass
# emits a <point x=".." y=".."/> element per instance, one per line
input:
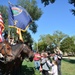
<point x="36" y="59"/>
<point x="45" y="64"/>
<point x="59" y="58"/>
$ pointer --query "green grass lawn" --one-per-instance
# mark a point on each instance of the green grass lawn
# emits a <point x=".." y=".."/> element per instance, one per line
<point x="68" y="68"/>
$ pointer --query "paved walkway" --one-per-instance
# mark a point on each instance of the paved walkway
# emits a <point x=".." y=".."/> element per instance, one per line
<point x="69" y="57"/>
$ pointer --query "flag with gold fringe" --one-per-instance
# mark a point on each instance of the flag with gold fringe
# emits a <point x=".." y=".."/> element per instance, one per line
<point x="20" y="35"/>
<point x="18" y="17"/>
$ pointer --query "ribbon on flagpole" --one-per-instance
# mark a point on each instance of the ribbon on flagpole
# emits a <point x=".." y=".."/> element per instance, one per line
<point x="19" y="33"/>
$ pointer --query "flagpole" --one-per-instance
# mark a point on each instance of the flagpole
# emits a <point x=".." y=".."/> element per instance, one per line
<point x="9" y="35"/>
<point x="37" y="45"/>
<point x="8" y="1"/>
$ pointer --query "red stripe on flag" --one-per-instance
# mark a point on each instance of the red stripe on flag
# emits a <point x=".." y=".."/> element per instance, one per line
<point x="1" y="27"/>
<point x="1" y="23"/>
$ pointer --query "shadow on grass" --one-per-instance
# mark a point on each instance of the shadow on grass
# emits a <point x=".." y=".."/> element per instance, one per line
<point x="69" y="60"/>
<point x="27" y="70"/>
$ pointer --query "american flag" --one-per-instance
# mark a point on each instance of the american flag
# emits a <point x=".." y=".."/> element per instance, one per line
<point x="1" y="27"/>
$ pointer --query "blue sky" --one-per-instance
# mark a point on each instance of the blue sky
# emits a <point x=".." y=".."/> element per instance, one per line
<point x="5" y="2"/>
<point x="55" y="16"/>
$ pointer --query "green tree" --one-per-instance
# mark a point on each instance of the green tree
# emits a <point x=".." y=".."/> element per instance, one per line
<point x="73" y="3"/>
<point x="51" y="41"/>
<point x="42" y="46"/>
<point x="34" y="46"/>
<point x="73" y="38"/>
<point x="67" y="45"/>
<point x="58" y="36"/>
<point x="3" y="10"/>
<point x="47" y="2"/>
<point x="48" y="41"/>
<point x="27" y="38"/>
<point x="73" y="47"/>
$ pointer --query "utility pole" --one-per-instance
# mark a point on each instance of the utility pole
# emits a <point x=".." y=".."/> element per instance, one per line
<point x="37" y="45"/>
